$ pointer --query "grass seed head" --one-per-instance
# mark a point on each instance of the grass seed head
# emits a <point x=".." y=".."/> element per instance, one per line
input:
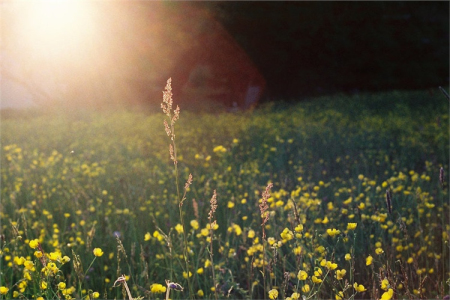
<point x="195" y="206"/>
<point x="263" y="207"/>
<point x="188" y="182"/>
<point x="167" y="98"/>
<point x="213" y="203"/>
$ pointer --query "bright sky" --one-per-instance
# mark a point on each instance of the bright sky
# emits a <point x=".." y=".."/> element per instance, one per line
<point x="50" y="24"/>
<point x="57" y="38"/>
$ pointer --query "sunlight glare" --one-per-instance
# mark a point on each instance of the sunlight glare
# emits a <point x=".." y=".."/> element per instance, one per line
<point x="53" y="25"/>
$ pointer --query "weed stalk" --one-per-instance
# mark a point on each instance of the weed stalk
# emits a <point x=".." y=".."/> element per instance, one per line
<point x="263" y="207"/>
<point x="213" y="203"/>
<point x="173" y="116"/>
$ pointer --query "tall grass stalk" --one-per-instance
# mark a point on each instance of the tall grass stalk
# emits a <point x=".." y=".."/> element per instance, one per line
<point x="263" y="207"/>
<point x="213" y="203"/>
<point x="173" y="116"/>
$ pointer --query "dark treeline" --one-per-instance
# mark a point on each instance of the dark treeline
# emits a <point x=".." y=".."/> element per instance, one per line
<point x="313" y="48"/>
<point x="127" y="51"/>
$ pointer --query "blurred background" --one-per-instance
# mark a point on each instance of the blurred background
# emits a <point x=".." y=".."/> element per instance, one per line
<point x="104" y="54"/>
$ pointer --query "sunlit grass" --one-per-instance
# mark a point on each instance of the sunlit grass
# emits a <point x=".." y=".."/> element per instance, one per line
<point x="88" y="198"/>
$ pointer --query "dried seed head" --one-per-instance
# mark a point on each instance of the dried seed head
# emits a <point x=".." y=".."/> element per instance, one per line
<point x="176" y="114"/>
<point x="195" y="206"/>
<point x="172" y="156"/>
<point x="120" y="247"/>
<point x="263" y="207"/>
<point x="167" y="98"/>
<point x="188" y="182"/>
<point x="213" y="203"/>
<point x="167" y="128"/>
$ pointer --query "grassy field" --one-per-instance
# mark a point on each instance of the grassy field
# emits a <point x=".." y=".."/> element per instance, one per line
<point x="88" y="197"/>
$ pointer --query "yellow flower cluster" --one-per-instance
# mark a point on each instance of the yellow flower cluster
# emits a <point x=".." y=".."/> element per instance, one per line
<point x="157" y="288"/>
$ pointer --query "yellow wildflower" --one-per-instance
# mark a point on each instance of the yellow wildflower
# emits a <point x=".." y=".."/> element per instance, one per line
<point x="61" y="286"/>
<point x="302" y="275"/>
<point x="33" y="243"/>
<point x="179" y="228"/>
<point x="273" y="294"/>
<point x="55" y="256"/>
<point x="331" y="265"/>
<point x="207" y="263"/>
<point x="351" y="226"/>
<point x="29" y="265"/>
<point x="194" y="224"/>
<point x="359" y="287"/>
<point x="287" y="235"/>
<point x="299" y="228"/>
<point x="340" y="274"/>
<point x="3" y="290"/>
<point x="379" y="251"/>
<point x="204" y="232"/>
<point x="237" y="229"/>
<point x="384" y="284"/>
<point x="158" y="235"/>
<point x="26" y="275"/>
<point x="157" y="288"/>
<point x="387" y="295"/>
<point x="98" y="252"/>
<point x="219" y="149"/>
<point x="333" y="232"/>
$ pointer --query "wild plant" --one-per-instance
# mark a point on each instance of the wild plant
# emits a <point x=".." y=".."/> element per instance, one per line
<point x="212" y="223"/>
<point x="173" y="116"/>
<point x="263" y="207"/>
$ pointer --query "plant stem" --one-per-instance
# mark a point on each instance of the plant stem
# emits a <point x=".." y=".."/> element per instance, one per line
<point x="180" y="205"/>
<point x="211" y="258"/>
<point x="264" y="260"/>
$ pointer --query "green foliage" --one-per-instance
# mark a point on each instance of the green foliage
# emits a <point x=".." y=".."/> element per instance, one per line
<point x="105" y="180"/>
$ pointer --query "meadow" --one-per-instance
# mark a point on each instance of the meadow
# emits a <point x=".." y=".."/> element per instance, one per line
<point x="339" y="197"/>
